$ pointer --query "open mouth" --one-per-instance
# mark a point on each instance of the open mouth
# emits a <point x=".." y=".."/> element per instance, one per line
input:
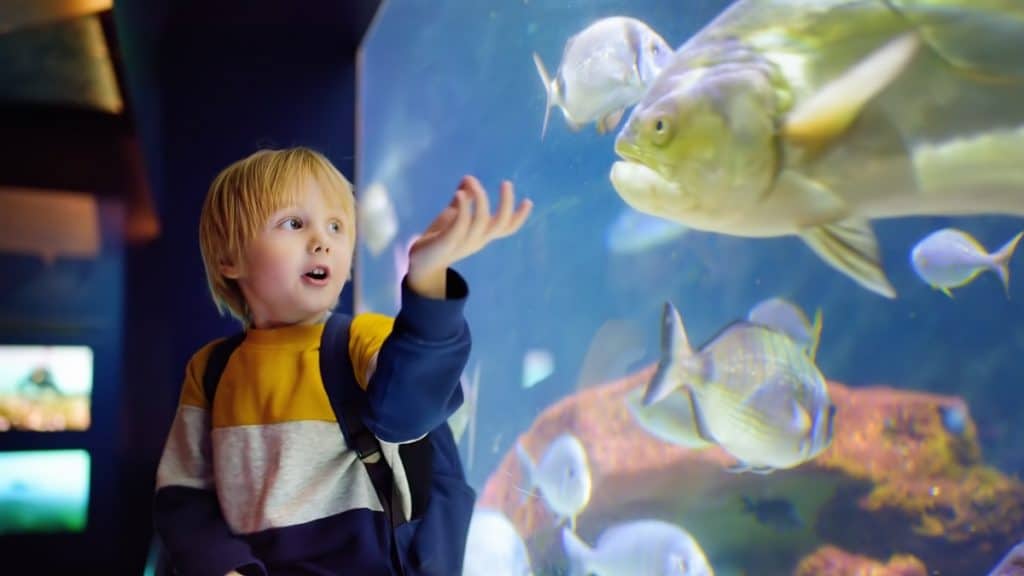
<point x="318" y="274"/>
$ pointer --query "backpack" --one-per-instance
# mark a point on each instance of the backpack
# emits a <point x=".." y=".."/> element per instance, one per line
<point x="442" y="500"/>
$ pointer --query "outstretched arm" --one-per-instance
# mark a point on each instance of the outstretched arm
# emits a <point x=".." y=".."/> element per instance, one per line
<point x="414" y="379"/>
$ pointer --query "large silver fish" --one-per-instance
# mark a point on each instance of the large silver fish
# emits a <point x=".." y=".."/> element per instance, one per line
<point x="605" y="68"/>
<point x="815" y="117"/>
<point x="753" y="390"/>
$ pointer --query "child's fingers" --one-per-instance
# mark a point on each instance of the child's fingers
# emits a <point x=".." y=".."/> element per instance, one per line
<point x="519" y="218"/>
<point x="481" y="212"/>
<point x="460" y="225"/>
<point x="504" y="215"/>
<point x="443" y="220"/>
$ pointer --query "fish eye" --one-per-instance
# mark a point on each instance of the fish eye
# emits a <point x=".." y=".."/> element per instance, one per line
<point x="662" y="130"/>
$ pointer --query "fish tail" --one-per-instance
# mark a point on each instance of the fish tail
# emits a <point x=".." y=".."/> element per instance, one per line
<point x="1001" y="261"/>
<point x="676" y="357"/>
<point x="577" y="551"/>
<point x="550" y="89"/>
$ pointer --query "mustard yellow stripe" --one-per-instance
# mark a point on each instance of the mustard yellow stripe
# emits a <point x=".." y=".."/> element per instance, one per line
<point x="192" y="393"/>
<point x="267" y="385"/>
<point x="366" y="336"/>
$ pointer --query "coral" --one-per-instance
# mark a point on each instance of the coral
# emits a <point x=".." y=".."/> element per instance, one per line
<point x="831" y="561"/>
<point x="897" y="479"/>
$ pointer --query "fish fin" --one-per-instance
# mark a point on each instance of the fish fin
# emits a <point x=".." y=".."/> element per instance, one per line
<point x="634" y="39"/>
<point x="576" y="551"/>
<point x="677" y="358"/>
<point x="1001" y="261"/>
<point x="671" y="420"/>
<point x="698" y="419"/>
<point x="945" y="290"/>
<point x="610" y="121"/>
<point x="738" y="468"/>
<point x="827" y="114"/>
<point x="529" y="470"/>
<point x="780" y="314"/>
<point x="975" y="43"/>
<point x="851" y="247"/>
<point x="818" y="203"/>
<point x="550" y="89"/>
<point x="778" y="408"/>
<point x="812" y="347"/>
<point x="742" y="467"/>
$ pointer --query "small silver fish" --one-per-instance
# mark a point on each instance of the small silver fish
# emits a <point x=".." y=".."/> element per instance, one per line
<point x="616" y="346"/>
<point x="786" y="317"/>
<point x="605" y="68"/>
<point x="494" y="547"/>
<point x="1011" y="564"/>
<point x="649" y="547"/>
<point x="754" y="392"/>
<point x="562" y="475"/>
<point x="634" y="232"/>
<point x="951" y="258"/>
<point x="377" y="219"/>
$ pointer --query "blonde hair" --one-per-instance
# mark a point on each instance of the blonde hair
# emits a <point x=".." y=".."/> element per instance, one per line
<point x="241" y="199"/>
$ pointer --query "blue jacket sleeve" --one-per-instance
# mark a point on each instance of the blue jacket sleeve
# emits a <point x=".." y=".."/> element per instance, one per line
<point x="196" y="537"/>
<point x="415" y="386"/>
<point x="186" y="512"/>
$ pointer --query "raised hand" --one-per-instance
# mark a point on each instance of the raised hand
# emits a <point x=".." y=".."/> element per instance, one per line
<point x="462" y="229"/>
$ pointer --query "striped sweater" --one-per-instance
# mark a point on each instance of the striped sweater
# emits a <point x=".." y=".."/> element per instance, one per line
<point x="262" y="482"/>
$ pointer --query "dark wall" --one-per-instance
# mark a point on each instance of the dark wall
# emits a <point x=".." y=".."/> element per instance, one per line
<point x="208" y="83"/>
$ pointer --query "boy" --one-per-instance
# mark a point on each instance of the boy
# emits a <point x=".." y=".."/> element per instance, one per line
<point x="262" y="481"/>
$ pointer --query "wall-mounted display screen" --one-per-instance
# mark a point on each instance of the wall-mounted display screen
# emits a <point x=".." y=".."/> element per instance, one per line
<point x="44" y="491"/>
<point x="45" y="388"/>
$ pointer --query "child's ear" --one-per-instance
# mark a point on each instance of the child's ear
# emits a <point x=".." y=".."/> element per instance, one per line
<point x="230" y="270"/>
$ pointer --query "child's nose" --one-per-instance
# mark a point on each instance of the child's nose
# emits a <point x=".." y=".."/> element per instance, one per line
<point x="318" y="245"/>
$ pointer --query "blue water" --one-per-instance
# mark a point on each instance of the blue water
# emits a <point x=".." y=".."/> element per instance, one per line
<point x="445" y="92"/>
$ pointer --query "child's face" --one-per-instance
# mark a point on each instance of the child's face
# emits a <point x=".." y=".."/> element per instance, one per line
<point x="295" y="268"/>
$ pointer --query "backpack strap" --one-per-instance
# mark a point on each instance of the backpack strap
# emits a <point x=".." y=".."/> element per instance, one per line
<point x="349" y="403"/>
<point x="218" y="360"/>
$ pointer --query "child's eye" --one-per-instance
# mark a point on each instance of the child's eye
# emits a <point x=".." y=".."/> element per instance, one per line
<point x="335" y="226"/>
<point x="292" y="224"/>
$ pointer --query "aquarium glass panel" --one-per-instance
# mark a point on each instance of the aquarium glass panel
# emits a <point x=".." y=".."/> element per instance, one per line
<point x="765" y="315"/>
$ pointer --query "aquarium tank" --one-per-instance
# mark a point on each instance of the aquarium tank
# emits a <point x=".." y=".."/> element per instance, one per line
<point x="765" y="316"/>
